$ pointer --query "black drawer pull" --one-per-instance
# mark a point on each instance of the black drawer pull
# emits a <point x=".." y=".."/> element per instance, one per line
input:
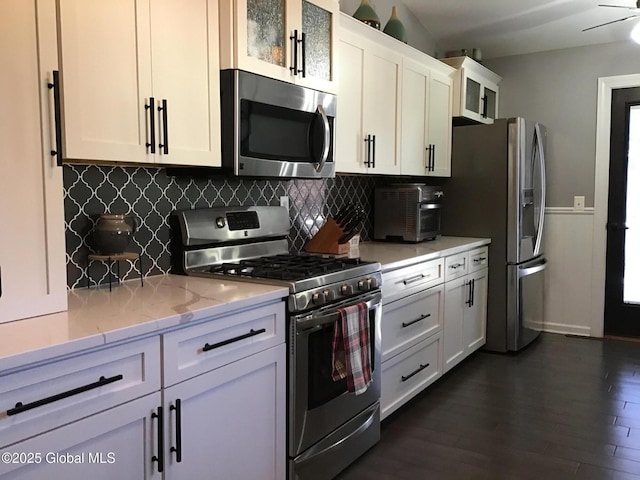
<point x="479" y="259"/>
<point x="415" y="279"/>
<point x="455" y="266"/>
<point x="19" y="408"/>
<point x="160" y="457"/>
<point x="422" y="367"/>
<point x="422" y="317"/>
<point x="252" y="333"/>
<point x="178" y="448"/>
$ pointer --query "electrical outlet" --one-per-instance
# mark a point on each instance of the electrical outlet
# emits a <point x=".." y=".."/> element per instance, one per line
<point x="578" y="202"/>
<point x="284" y="202"/>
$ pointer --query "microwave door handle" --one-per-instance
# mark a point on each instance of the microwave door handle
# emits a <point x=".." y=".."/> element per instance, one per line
<point x="327" y="138"/>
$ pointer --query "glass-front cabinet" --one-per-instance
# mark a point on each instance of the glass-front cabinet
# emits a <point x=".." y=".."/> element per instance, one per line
<point x="289" y="40"/>
<point x="475" y="91"/>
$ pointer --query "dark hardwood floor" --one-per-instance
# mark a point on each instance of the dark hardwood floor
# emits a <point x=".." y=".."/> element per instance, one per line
<point x="564" y="408"/>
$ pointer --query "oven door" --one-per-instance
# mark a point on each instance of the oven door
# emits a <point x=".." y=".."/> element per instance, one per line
<point x="429" y="220"/>
<point x="317" y="404"/>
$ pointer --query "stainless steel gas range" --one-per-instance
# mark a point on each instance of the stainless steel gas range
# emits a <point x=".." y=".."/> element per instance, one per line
<point x="328" y="427"/>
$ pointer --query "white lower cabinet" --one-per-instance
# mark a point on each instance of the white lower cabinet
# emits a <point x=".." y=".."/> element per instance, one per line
<point x="465" y="310"/>
<point x="229" y="423"/>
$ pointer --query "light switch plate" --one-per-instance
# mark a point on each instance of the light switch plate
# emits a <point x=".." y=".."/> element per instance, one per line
<point x="284" y="202"/>
<point x="578" y="202"/>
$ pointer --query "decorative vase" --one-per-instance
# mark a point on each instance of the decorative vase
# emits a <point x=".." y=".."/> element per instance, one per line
<point x="366" y="14"/>
<point x="113" y="233"/>
<point x="395" y="28"/>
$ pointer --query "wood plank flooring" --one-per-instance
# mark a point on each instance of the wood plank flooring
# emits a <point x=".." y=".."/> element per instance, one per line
<point x="564" y="408"/>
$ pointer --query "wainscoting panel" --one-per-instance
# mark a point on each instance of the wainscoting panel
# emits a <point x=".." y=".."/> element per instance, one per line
<point x="569" y="251"/>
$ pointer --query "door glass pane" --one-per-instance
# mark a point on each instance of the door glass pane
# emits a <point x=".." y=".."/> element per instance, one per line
<point x="316" y="25"/>
<point x="631" y="291"/>
<point x="472" y="100"/>
<point x="491" y="102"/>
<point x="265" y="30"/>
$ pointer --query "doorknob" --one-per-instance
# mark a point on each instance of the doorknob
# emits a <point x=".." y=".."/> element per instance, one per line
<point x="613" y="226"/>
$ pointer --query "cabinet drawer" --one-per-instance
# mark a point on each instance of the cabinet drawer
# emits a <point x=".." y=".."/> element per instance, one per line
<point x="456" y="266"/>
<point x="194" y="350"/>
<point x="407" y="374"/>
<point x="478" y="259"/>
<point x="405" y="281"/>
<point x="63" y="391"/>
<point x="411" y="319"/>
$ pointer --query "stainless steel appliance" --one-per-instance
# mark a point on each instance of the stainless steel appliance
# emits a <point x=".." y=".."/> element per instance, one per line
<point x="328" y="427"/>
<point x="407" y="211"/>
<point x="272" y="128"/>
<point x="497" y="190"/>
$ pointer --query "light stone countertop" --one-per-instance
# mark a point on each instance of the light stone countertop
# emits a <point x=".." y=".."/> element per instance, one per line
<point x="97" y="317"/>
<point x="398" y="255"/>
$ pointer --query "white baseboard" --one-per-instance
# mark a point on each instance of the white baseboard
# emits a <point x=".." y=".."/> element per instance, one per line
<point x="564" y="329"/>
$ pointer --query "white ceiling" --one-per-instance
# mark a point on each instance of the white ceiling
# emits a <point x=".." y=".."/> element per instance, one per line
<point x="510" y="27"/>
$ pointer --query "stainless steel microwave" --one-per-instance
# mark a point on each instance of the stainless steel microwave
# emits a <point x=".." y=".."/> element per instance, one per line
<point x="407" y="212"/>
<point x="272" y="128"/>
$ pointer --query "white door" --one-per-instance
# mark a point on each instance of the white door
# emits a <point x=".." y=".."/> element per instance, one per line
<point x="117" y="443"/>
<point x="350" y="146"/>
<point x="232" y="421"/>
<point x="32" y="250"/>
<point x="413" y="133"/>
<point x="439" y="124"/>
<point x="456" y="292"/>
<point x="475" y="315"/>
<point x="186" y="77"/>
<point x="106" y="79"/>
<point x="381" y="108"/>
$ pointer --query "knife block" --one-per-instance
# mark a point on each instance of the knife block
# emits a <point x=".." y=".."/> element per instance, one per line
<point x="326" y="240"/>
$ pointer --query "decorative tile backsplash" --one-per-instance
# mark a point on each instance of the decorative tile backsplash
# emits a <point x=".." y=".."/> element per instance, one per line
<point x="151" y="195"/>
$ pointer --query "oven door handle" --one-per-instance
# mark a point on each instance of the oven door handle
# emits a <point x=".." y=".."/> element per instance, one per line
<point x="319" y="319"/>
<point x="429" y="206"/>
<point x="326" y="137"/>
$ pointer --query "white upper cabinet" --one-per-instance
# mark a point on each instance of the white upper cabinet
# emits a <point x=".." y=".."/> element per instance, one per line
<point x="289" y="40"/>
<point x="476" y="91"/>
<point x="32" y="249"/>
<point x="368" y="109"/>
<point x="140" y="82"/>
<point x="426" y="120"/>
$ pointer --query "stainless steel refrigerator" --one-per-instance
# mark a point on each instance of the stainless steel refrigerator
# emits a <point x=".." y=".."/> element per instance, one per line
<point x="497" y="190"/>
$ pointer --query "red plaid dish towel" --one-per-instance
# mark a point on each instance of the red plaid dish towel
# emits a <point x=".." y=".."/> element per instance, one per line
<point x="350" y="357"/>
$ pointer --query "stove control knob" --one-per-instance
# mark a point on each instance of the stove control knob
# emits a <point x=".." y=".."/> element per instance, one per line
<point x="220" y="222"/>
<point x="318" y="298"/>
<point x="373" y="283"/>
<point x="330" y="295"/>
<point x="346" y="289"/>
<point x="363" y="285"/>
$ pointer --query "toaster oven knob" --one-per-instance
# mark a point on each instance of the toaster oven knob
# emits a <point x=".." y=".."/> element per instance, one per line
<point x="220" y="222"/>
<point x="346" y="289"/>
<point x="318" y="298"/>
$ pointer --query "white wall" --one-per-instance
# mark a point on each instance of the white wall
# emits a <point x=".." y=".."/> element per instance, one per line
<point x="417" y="36"/>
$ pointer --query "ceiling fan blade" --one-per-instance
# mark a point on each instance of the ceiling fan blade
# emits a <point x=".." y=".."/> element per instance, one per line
<point x="613" y="21"/>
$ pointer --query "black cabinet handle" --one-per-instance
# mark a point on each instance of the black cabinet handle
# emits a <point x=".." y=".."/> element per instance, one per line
<point x="160" y="457"/>
<point x="473" y="291"/>
<point x="178" y="448"/>
<point x="374" y="151"/>
<point x="422" y="317"/>
<point x="165" y="127"/>
<point x="433" y="157"/>
<point x="252" y="333"/>
<point x="614" y="226"/>
<point x="479" y="260"/>
<point x="57" y="113"/>
<point x="20" y="407"/>
<point x="294" y="42"/>
<point x="422" y="367"/>
<point x="304" y="55"/>
<point x="485" y="102"/>
<point x="152" y="124"/>
<point x="367" y="140"/>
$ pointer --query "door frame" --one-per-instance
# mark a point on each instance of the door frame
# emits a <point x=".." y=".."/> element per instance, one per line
<point x="606" y="85"/>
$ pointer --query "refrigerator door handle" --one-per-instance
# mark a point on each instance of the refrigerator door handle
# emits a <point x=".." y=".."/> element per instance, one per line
<point x="543" y="190"/>
<point x="523" y="272"/>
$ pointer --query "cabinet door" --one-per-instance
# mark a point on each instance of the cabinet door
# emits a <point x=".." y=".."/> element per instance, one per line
<point x="456" y="292"/>
<point x="186" y="75"/>
<point x="319" y="23"/>
<point x="350" y="146"/>
<point x="381" y="107"/>
<point x="262" y="36"/>
<point x="232" y="421"/>
<point x="439" y="124"/>
<point x="117" y="443"/>
<point x="106" y="79"/>
<point x="475" y="316"/>
<point x="490" y="99"/>
<point x="32" y="250"/>
<point x="413" y="133"/>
